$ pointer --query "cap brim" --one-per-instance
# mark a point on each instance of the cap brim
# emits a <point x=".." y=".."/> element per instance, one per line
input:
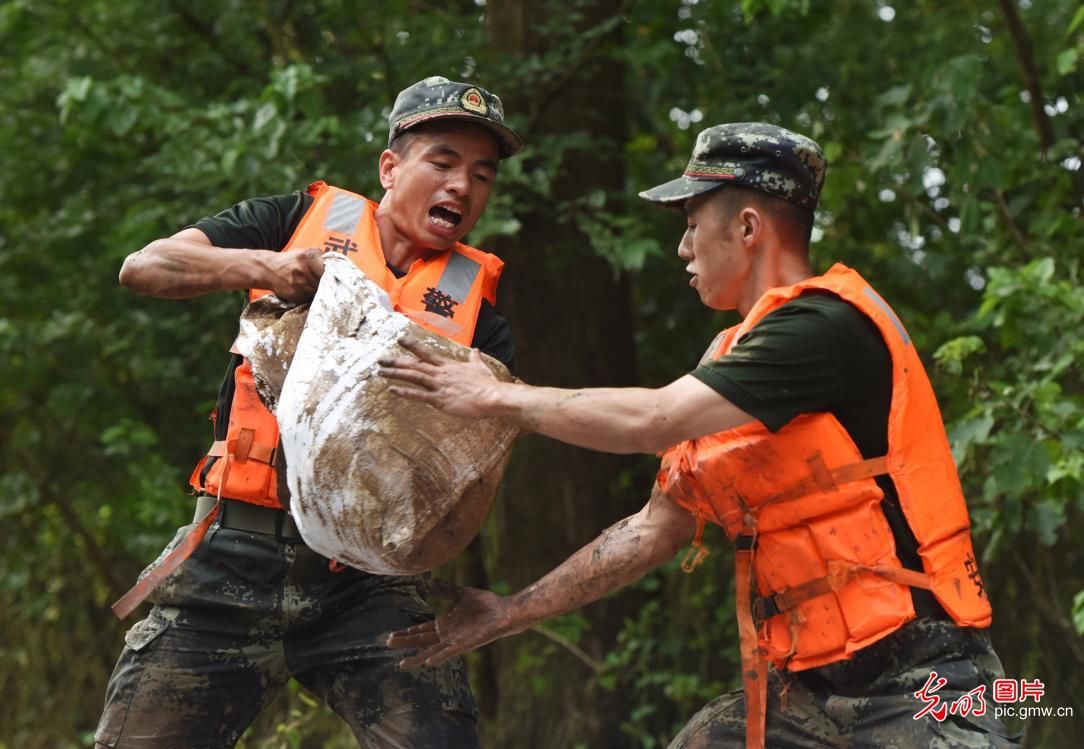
<point x="511" y="143"/>
<point x="675" y="192"/>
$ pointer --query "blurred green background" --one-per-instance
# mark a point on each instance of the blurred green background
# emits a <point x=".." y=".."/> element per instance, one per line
<point x="954" y="133"/>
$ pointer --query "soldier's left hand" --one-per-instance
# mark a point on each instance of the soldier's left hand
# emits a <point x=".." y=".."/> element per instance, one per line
<point x="476" y="618"/>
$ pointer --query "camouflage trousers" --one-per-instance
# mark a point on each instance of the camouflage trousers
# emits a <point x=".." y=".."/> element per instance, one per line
<point x="248" y="611"/>
<point x="869" y="701"/>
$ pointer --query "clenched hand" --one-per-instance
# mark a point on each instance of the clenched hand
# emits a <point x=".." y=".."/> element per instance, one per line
<point x="476" y="618"/>
<point x="296" y="274"/>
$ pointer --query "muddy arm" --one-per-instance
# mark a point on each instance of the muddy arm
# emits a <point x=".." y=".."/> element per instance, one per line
<point x="187" y="265"/>
<point x="616" y="420"/>
<point x="622" y="554"/>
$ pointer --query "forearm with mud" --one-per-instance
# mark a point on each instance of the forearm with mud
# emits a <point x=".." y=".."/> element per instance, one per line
<point x="624" y="553"/>
<point x="175" y="268"/>
<point x="614" y="420"/>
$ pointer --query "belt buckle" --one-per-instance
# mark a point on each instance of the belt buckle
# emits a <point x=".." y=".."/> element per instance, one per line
<point x="280" y="522"/>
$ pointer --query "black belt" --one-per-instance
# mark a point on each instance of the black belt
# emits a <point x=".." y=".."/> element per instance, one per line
<point x="245" y="516"/>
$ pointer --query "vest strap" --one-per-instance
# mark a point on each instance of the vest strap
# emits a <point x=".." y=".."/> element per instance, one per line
<point x="698" y="551"/>
<point x="839" y="575"/>
<point x="754" y="659"/>
<point x="751" y="614"/>
<point x="164" y="567"/>
<point x="822" y="479"/>
<point x="243" y="448"/>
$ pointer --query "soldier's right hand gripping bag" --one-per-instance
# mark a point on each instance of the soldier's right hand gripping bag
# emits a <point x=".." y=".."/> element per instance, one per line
<point x="376" y="481"/>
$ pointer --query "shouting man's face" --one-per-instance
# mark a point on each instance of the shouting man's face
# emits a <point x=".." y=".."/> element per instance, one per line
<point x="438" y="182"/>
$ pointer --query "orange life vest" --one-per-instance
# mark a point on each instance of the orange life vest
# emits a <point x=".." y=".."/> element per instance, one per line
<point x="803" y="507"/>
<point x="443" y="293"/>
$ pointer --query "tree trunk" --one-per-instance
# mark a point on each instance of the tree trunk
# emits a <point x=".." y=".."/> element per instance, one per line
<point x="570" y="315"/>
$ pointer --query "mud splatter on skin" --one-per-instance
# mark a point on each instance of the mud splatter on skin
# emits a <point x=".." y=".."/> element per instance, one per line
<point x="606" y="540"/>
<point x="534" y="423"/>
<point x="196" y="280"/>
<point x="381" y="483"/>
<point x="621" y="554"/>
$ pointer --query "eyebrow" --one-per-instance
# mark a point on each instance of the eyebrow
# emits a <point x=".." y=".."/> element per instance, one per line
<point x="449" y="151"/>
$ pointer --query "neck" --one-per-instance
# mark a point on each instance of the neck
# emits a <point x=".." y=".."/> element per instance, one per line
<point x="398" y="249"/>
<point x="772" y="269"/>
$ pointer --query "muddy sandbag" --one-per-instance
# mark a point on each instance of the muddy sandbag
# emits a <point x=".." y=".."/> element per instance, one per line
<point x="381" y="483"/>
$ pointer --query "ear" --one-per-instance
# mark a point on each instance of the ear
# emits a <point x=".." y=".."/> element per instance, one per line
<point x="388" y="167"/>
<point x="751" y="225"/>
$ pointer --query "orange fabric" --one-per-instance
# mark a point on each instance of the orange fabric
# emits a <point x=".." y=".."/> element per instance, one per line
<point x="823" y="546"/>
<point x="252" y="433"/>
<point x="754" y="664"/>
<point x="236" y="473"/>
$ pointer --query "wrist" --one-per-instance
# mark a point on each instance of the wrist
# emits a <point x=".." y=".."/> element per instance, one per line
<point x="495" y="401"/>
<point x="512" y="618"/>
<point x="262" y="268"/>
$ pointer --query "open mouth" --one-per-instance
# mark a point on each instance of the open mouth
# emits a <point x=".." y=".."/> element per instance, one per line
<point x="445" y="217"/>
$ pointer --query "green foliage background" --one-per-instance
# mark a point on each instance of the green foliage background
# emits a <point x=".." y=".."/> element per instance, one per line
<point x="954" y="132"/>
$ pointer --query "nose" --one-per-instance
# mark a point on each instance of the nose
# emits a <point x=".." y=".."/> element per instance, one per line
<point x="459" y="182"/>
<point x="685" y="247"/>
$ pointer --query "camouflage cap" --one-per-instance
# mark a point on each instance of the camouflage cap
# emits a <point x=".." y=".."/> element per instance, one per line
<point x="437" y="98"/>
<point x="751" y="154"/>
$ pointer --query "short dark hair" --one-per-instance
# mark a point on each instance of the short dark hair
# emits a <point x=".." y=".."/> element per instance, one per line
<point x="400" y="145"/>
<point x="795" y="222"/>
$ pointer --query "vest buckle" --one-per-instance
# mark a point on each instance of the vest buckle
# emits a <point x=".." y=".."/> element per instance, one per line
<point x="764" y="609"/>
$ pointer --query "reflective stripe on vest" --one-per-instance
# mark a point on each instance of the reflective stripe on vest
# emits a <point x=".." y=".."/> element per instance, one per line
<point x="345" y="213"/>
<point x="443" y="293"/>
<point x="807" y="497"/>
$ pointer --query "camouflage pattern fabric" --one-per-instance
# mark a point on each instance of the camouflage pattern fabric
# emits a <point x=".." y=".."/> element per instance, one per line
<point x="437" y="98"/>
<point x="869" y="701"/>
<point x="245" y="613"/>
<point x="763" y="157"/>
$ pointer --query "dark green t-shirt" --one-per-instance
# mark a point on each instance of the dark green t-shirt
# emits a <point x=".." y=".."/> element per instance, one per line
<point x="815" y="354"/>
<point x="268" y="224"/>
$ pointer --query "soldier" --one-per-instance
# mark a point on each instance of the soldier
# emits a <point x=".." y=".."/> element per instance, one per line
<point x="241" y="603"/>
<point x="811" y="434"/>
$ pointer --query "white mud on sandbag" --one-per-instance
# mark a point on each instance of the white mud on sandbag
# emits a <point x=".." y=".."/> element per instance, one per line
<point x="378" y="482"/>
